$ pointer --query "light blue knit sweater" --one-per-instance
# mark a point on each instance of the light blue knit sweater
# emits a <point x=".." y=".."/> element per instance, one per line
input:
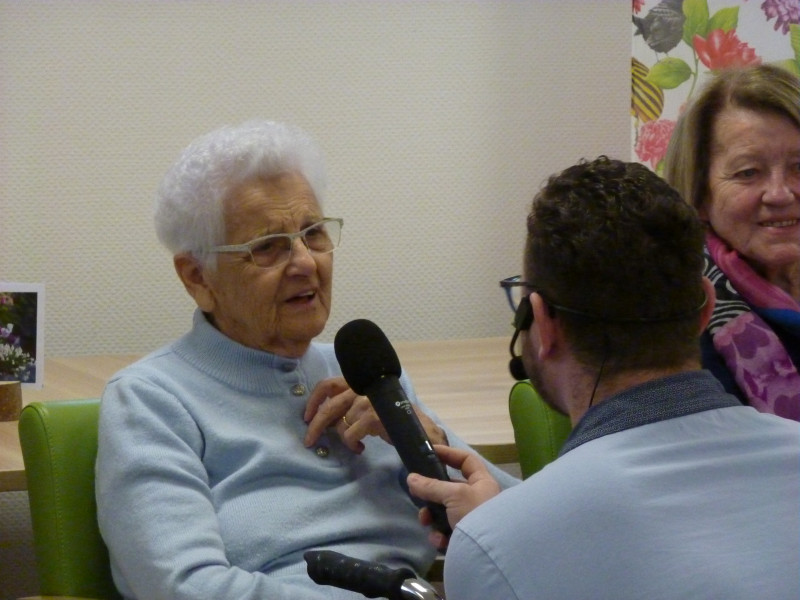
<point x="205" y="490"/>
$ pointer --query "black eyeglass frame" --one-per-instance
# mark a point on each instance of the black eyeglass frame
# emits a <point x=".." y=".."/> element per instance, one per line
<point x="508" y="284"/>
<point x="523" y="313"/>
<point x="512" y="282"/>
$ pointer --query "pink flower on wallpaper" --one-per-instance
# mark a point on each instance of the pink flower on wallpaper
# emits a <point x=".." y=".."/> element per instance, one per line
<point x="653" y="138"/>
<point x="638" y="5"/>
<point x="785" y="13"/>
<point x="721" y="50"/>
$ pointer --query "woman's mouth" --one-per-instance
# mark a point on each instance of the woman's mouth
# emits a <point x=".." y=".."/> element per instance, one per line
<point x="785" y="223"/>
<point x="303" y="298"/>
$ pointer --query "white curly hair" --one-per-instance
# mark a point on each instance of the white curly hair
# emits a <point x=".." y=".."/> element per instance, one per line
<point x="189" y="206"/>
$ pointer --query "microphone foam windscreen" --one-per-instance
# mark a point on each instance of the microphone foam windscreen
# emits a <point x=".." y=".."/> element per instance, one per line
<point x="364" y="354"/>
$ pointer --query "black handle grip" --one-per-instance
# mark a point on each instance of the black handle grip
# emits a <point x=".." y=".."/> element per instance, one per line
<point x="373" y="580"/>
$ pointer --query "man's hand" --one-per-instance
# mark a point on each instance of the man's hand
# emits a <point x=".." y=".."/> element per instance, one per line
<point x="458" y="497"/>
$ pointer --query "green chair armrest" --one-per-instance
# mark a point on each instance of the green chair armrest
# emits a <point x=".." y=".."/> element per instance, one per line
<point x="539" y="429"/>
<point x="59" y="446"/>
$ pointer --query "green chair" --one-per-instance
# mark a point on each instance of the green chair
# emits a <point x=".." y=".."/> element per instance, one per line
<point x="59" y="445"/>
<point x="539" y="429"/>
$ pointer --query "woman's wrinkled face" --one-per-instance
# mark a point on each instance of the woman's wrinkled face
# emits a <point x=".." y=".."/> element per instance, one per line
<point x="279" y="310"/>
<point x="754" y="188"/>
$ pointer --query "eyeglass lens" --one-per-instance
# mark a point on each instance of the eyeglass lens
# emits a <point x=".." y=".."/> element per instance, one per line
<point x="515" y="290"/>
<point x="320" y="238"/>
<point x="516" y="294"/>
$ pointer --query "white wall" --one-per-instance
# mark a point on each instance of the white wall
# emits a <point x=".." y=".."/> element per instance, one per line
<point x="439" y="121"/>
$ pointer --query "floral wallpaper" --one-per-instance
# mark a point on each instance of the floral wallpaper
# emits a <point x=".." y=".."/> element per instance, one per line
<point x="677" y="43"/>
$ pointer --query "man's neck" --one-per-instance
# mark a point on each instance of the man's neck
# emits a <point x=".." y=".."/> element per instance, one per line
<point x="584" y="395"/>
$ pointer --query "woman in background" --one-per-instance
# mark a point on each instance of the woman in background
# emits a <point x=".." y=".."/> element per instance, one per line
<point x="735" y="156"/>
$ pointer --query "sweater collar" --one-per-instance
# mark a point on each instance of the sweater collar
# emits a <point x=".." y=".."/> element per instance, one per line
<point x="241" y="367"/>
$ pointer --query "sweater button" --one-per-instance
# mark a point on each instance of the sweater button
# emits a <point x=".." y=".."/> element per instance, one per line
<point x="322" y="451"/>
<point x="298" y="389"/>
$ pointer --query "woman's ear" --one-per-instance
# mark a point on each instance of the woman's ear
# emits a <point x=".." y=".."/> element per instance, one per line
<point x="545" y="325"/>
<point x="193" y="276"/>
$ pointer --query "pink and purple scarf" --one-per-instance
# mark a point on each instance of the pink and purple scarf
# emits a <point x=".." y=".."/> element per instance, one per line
<point x="750" y="348"/>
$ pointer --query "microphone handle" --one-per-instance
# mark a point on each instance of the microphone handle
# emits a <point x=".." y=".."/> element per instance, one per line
<point x="396" y="413"/>
<point x="373" y="580"/>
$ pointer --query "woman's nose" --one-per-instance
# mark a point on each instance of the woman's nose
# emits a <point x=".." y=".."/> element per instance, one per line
<point x="782" y="187"/>
<point x="300" y="256"/>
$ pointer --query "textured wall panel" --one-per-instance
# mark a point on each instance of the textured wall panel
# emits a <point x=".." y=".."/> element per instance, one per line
<point x="439" y="121"/>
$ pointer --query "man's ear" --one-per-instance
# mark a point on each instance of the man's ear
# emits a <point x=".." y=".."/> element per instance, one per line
<point x="193" y="276"/>
<point x="711" y="300"/>
<point x="546" y="326"/>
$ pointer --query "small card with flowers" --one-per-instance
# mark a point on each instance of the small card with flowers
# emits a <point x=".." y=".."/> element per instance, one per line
<point x="22" y="333"/>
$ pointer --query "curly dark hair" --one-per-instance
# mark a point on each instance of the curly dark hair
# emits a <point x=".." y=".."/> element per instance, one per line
<point x="614" y="241"/>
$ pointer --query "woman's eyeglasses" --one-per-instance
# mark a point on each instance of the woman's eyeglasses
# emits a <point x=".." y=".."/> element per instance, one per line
<point x="275" y="250"/>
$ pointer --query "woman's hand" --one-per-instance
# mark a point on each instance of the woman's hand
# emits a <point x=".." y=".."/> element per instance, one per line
<point x="333" y="404"/>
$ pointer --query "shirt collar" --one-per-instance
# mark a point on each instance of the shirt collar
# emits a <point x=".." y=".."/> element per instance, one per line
<point x="657" y="400"/>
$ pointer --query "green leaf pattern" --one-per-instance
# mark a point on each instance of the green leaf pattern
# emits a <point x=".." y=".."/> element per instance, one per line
<point x="678" y="71"/>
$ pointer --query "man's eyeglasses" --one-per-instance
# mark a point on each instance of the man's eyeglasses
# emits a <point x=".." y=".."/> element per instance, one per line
<point x="518" y="291"/>
<point x="515" y="290"/>
<point x="275" y="250"/>
<point x="518" y="295"/>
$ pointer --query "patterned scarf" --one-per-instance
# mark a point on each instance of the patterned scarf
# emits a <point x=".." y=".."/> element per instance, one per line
<point x="750" y="348"/>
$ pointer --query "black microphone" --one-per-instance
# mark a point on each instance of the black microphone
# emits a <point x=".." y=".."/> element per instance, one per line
<point x="370" y="579"/>
<point x="517" y="368"/>
<point x="371" y="367"/>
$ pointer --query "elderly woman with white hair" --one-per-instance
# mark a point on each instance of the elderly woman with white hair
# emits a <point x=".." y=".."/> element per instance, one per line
<point x="227" y="454"/>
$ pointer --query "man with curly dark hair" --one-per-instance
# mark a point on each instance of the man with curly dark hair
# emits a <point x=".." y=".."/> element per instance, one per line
<point x="667" y="487"/>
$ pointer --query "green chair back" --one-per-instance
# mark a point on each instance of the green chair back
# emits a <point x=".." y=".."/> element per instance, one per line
<point x="59" y="446"/>
<point x="539" y="429"/>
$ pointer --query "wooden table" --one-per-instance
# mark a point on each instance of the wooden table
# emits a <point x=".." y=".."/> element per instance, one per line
<point x="466" y="382"/>
<point x="67" y="378"/>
